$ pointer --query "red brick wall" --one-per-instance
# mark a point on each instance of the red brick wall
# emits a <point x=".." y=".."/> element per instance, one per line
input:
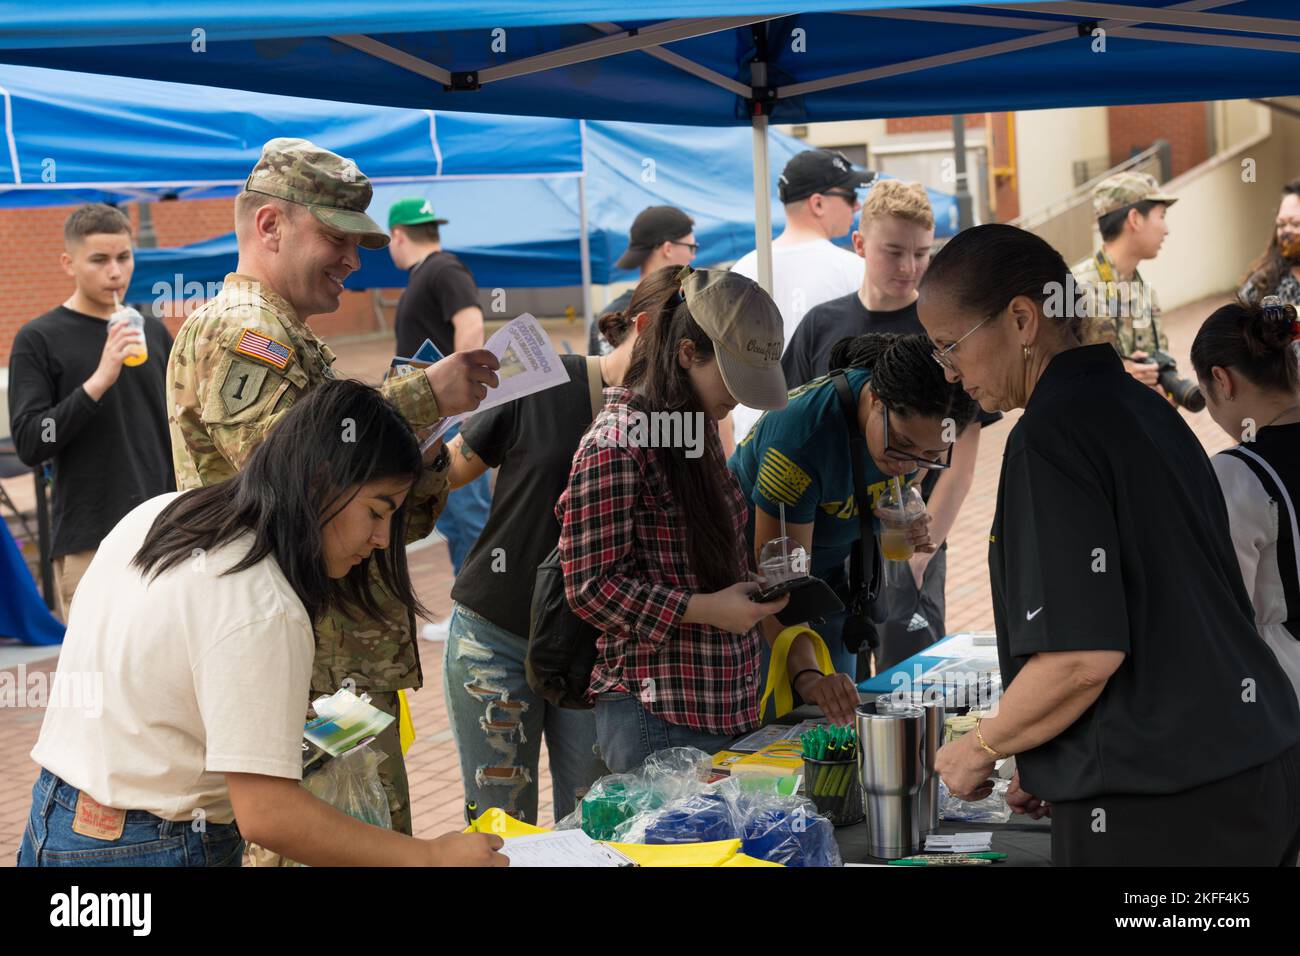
<point x="31" y="281"/>
<point x="928" y="124"/>
<point x="1184" y="125"/>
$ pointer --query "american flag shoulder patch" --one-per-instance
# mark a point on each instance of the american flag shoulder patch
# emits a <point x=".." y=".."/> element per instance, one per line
<point x="263" y="348"/>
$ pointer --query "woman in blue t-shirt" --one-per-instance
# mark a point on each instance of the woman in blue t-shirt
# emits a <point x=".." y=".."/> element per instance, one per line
<point x="799" y="457"/>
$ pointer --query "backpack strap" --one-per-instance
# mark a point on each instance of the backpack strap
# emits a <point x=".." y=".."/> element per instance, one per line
<point x="1288" y="559"/>
<point x="862" y="592"/>
<point x="595" y="385"/>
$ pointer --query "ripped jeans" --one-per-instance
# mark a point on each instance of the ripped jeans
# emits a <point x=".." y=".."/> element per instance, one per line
<point x="499" y="722"/>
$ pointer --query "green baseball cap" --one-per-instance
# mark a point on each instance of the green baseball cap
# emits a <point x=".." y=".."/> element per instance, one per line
<point x="333" y="188"/>
<point x="414" y="211"/>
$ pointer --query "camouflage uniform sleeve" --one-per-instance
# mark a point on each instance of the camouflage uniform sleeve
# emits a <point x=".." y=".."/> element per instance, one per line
<point x="243" y="398"/>
<point x="1094" y="325"/>
<point x="413" y="397"/>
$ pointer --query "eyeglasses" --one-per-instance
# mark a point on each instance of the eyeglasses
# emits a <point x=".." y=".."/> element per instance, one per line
<point x="693" y="246"/>
<point x="899" y="455"/>
<point x="941" y="355"/>
<point x="850" y="198"/>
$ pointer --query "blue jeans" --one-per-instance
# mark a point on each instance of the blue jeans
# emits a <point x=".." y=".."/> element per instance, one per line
<point x="627" y="733"/>
<point x="498" y="722"/>
<point x="462" y="521"/>
<point x="146" y="840"/>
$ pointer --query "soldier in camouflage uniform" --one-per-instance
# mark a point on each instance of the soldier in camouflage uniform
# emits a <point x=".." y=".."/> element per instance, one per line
<point x="1123" y="309"/>
<point x="243" y="358"/>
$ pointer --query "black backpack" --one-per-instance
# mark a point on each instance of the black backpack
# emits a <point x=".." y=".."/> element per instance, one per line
<point x="561" y="646"/>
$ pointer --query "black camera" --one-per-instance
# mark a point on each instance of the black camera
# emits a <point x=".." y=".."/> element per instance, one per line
<point x="1183" y="391"/>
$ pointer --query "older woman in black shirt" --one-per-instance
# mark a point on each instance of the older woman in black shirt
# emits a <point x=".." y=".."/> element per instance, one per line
<point x="1147" y="716"/>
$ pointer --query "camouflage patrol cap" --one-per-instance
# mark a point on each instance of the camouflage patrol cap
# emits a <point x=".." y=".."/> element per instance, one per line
<point x="1125" y="189"/>
<point x="333" y="188"/>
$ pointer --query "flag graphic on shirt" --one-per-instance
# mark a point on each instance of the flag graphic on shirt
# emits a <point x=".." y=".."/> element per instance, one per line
<point x="258" y="346"/>
<point x="780" y="478"/>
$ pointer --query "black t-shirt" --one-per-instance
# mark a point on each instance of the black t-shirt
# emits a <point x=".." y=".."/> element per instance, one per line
<point x="109" y="455"/>
<point x="596" y="343"/>
<point x="1111" y="534"/>
<point x="440" y="286"/>
<point x="808" y="353"/>
<point x="533" y="441"/>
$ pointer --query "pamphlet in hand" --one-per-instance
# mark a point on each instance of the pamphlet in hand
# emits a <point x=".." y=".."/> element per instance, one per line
<point x="529" y="364"/>
<point x="345" y="720"/>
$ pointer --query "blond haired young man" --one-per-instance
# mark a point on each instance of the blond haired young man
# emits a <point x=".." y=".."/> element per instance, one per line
<point x="894" y="238"/>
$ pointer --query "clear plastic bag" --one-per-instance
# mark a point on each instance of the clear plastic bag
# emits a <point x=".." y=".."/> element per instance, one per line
<point x="694" y="818"/>
<point x="992" y="809"/>
<point x="614" y="799"/>
<point x="790" y="832"/>
<point x="351" y="783"/>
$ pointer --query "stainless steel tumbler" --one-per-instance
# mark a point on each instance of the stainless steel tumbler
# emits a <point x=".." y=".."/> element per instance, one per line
<point x="891" y="770"/>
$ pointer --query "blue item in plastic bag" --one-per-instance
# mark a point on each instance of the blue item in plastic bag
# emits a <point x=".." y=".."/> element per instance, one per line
<point x="696" y="819"/>
<point x="791" y="837"/>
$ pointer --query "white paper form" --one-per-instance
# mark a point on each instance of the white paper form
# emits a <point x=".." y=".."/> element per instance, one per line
<point x="529" y="364"/>
<point x="561" y="848"/>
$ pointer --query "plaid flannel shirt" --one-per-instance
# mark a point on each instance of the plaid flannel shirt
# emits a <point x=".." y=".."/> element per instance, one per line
<point x="626" y="571"/>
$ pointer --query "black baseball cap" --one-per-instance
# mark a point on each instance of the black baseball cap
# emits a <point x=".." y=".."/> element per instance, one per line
<point x="652" y="226"/>
<point x="818" y="170"/>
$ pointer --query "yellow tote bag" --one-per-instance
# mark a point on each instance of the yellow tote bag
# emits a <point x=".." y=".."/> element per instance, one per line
<point x="778" y="671"/>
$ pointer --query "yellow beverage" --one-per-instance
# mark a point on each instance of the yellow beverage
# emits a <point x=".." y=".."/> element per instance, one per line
<point x="137" y="358"/>
<point x="894" y="545"/>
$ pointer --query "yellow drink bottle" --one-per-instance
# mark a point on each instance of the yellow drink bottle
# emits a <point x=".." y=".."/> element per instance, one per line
<point x="140" y="354"/>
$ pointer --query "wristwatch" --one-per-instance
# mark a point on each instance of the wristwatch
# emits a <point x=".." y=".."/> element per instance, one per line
<point x="443" y="461"/>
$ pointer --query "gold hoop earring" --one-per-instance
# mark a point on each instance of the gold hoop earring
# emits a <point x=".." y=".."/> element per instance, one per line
<point x="1025" y="350"/>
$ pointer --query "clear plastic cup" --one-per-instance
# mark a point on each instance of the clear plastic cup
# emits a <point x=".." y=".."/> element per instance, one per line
<point x="140" y="354"/>
<point x="896" y="516"/>
<point x="781" y="560"/>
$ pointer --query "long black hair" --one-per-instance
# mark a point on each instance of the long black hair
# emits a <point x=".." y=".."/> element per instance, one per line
<point x="655" y="373"/>
<point x="1266" y="272"/>
<point x="310" y="466"/>
<point x="1247" y="340"/>
<point x="985" y="267"/>
<point x="905" y="376"/>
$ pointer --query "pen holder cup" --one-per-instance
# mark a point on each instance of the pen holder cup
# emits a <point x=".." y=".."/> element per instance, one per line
<point x="833" y="786"/>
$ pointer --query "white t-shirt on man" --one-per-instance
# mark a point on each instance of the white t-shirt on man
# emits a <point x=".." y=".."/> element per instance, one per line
<point x="803" y="276"/>
<point x="199" y="674"/>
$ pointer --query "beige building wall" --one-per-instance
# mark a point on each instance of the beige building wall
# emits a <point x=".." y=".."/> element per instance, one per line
<point x="1048" y="144"/>
<point x="1223" y="218"/>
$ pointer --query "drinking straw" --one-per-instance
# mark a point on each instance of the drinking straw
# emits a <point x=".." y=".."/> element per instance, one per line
<point x="785" y="560"/>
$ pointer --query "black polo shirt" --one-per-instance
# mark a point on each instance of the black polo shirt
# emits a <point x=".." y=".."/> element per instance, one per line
<point x="1111" y="534"/>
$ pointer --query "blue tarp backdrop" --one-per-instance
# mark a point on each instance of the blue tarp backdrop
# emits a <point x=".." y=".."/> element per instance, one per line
<point x="76" y="137"/>
<point x="525" y="233"/>
<point x="824" y="59"/>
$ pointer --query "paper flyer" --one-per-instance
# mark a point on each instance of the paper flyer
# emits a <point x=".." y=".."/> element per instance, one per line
<point x="345" y="720"/>
<point x="529" y="364"/>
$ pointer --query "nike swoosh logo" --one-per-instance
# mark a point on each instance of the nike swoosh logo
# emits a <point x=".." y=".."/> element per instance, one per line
<point x="1030" y="615"/>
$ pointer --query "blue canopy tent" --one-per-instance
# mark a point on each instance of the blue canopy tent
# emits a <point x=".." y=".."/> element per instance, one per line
<point x="83" y="138"/>
<point x="703" y="62"/>
<point x="528" y="232"/>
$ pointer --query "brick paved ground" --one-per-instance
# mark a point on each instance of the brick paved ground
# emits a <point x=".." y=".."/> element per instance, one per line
<point x="434" y="770"/>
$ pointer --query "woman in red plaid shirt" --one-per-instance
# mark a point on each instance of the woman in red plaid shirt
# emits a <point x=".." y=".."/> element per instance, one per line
<point x="652" y="529"/>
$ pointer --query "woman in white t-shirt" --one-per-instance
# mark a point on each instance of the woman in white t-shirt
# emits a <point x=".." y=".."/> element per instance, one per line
<point x="1245" y="359"/>
<point x="177" y="706"/>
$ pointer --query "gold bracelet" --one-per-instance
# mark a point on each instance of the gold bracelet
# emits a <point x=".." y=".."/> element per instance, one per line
<point x="979" y="737"/>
